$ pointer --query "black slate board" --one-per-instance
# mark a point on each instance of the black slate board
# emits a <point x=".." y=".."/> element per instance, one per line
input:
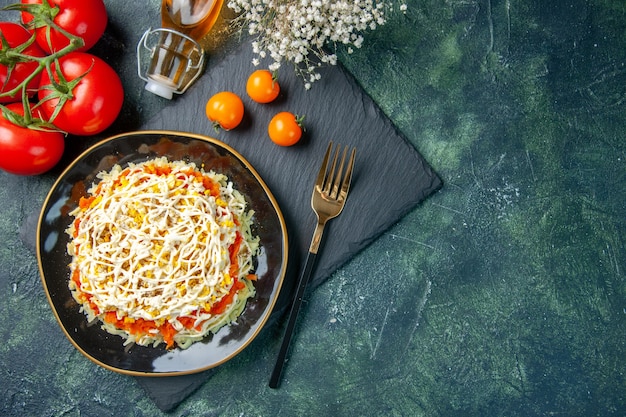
<point x="390" y="176"/>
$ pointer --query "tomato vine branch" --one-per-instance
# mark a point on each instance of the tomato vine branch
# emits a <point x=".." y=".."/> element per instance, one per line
<point x="43" y="16"/>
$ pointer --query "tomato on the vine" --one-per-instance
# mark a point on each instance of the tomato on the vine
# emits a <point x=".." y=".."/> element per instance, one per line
<point x="14" y="70"/>
<point x="225" y="109"/>
<point x="84" y="18"/>
<point x="285" y="129"/>
<point x="262" y="86"/>
<point x="93" y="99"/>
<point x="27" y="150"/>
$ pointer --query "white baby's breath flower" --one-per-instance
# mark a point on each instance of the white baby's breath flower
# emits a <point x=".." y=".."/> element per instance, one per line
<point x="274" y="66"/>
<point x="304" y="32"/>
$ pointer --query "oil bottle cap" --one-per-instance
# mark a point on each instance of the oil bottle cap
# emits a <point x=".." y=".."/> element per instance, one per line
<point x="160" y="89"/>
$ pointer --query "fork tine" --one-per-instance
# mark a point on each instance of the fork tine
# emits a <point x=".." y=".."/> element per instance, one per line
<point x="328" y="181"/>
<point x="345" y="186"/>
<point x="321" y="176"/>
<point x="336" y="176"/>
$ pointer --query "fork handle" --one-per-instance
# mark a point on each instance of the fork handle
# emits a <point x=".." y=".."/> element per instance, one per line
<point x="293" y="316"/>
<point x="317" y="236"/>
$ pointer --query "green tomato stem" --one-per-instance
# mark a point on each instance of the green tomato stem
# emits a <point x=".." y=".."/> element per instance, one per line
<point x="46" y="14"/>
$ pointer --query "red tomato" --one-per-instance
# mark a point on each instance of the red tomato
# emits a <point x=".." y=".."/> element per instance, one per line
<point x="25" y="151"/>
<point x="84" y="18"/>
<point x="92" y="104"/>
<point x="14" y="71"/>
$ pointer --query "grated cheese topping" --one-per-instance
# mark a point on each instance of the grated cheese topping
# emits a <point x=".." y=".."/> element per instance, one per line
<point x="162" y="252"/>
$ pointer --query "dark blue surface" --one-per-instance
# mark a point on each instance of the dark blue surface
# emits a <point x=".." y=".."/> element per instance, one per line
<point x="502" y="295"/>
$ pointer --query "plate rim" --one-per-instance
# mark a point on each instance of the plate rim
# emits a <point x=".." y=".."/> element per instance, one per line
<point x="173" y="133"/>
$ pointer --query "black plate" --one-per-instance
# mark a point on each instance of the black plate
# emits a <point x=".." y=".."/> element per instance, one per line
<point x="108" y="350"/>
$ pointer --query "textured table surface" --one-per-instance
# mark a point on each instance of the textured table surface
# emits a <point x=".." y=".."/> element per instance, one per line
<point x="502" y="294"/>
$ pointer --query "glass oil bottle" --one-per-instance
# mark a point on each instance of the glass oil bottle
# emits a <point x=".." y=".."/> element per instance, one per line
<point x="176" y="57"/>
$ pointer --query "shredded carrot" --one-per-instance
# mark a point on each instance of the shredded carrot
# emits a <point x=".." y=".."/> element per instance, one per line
<point x="117" y="182"/>
<point x="168" y="332"/>
<point x="163" y="170"/>
<point x="110" y="317"/>
<point x="76" y="226"/>
<point x="233" y="251"/>
<point x="212" y="186"/>
<point x="85" y="202"/>
<point x="76" y="278"/>
<point x="221" y="305"/>
<point x="187" y="322"/>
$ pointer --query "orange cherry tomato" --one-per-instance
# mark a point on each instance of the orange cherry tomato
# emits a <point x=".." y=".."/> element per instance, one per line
<point x="262" y="86"/>
<point x="285" y="129"/>
<point x="225" y="110"/>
